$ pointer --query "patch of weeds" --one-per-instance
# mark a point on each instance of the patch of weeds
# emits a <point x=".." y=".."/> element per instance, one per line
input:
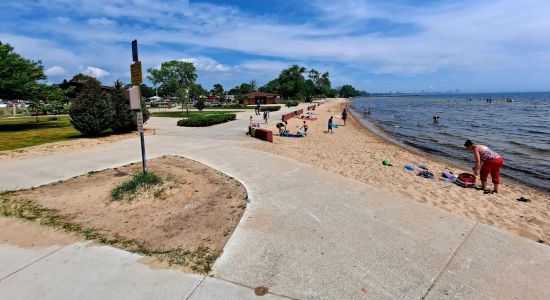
<point x="198" y="260"/>
<point x="129" y="188"/>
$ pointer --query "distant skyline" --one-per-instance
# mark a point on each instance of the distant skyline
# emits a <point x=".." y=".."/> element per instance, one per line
<point x="378" y="46"/>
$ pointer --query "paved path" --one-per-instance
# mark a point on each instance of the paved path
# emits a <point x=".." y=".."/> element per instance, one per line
<point x="306" y="234"/>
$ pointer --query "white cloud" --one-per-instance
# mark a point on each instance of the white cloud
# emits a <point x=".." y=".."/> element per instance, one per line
<point x="269" y="66"/>
<point x="466" y="35"/>
<point x="206" y="64"/>
<point x="55" y="71"/>
<point x="63" y="20"/>
<point x="96" y="72"/>
<point x="103" y="22"/>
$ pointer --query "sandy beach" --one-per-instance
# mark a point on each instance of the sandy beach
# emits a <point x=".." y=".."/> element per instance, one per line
<point x="357" y="153"/>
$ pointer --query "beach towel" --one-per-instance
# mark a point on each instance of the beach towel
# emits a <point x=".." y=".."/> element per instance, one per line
<point x="334" y="125"/>
<point x="288" y="134"/>
<point x="450" y="177"/>
<point x="291" y="135"/>
<point x="309" y="119"/>
<point x="426" y="174"/>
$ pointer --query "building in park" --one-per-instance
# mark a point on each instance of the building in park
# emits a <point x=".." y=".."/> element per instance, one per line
<point x="259" y="98"/>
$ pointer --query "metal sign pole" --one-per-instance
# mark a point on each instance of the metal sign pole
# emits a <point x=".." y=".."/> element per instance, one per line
<point x="135" y="99"/>
<point x="139" y="118"/>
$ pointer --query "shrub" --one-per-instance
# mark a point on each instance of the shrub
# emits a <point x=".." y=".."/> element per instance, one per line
<point x="206" y="120"/>
<point x="124" y="119"/>
<point x="200" y="104"/>
<point x="92" y="111"/>
<point x="290" y="103"/>
<point x="270" y="108"/>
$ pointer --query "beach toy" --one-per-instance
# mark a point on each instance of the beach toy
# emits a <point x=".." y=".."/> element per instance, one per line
<point x="423" y="167"/>
<point x="449" y="177"/>
<point x="466" y="180"/>
<point x="409" y="167"/>
<point x="386" y="162"/>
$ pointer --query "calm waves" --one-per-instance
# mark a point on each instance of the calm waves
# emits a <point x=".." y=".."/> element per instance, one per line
<point x="518" y="130"/>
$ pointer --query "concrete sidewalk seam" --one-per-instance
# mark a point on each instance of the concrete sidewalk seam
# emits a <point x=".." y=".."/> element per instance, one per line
<point x="30" y="264"/>
<point x="252" y="289"/>
<point x="195" y="288"/>
<point x="450" y="260"/>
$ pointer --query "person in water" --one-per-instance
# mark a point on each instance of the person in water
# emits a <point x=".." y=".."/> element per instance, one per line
<point x="487" y="162"/>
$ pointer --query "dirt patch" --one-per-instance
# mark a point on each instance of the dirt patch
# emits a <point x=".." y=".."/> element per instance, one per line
<point x="187" y="223"/>
<point x="30" y="235"/>
<point x="74" y="145"/>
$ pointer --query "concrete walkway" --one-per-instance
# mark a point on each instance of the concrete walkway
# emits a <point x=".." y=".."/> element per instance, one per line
<point x="306" y="234"/>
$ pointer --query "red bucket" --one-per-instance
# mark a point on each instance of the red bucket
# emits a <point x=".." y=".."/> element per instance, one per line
<point x="466" y="180"/>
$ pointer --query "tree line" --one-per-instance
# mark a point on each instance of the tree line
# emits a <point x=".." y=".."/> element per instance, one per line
<point x="178" y="79"/>
<point x="22" y="78"/>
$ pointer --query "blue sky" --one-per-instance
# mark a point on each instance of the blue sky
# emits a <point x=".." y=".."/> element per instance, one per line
<point x="378" y="46"/>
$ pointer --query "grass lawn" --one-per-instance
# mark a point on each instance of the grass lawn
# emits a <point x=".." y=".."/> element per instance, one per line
<point x="179" y="114"/>
<point x="23" y="132"/>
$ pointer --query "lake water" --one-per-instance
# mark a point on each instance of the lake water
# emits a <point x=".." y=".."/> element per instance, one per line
<point x="518" y="130"/>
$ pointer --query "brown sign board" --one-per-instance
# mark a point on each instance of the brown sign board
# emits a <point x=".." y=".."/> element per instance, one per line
<point x="135" y="72"/>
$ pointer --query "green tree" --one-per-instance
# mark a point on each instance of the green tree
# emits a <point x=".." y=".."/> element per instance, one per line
<point x="18" y="76"/>
<point x="200" y="105"/>
<point x="348" y="91"/>
<point x="36" y="107"/>
<point x="218" y="91"/>
<point x="253" y="85"/>
<point x="146" y="91"/>
<point x="292" y="83"/>
<point x="172" y="76"/>
<point x="124" y="119"/>
<point x="324" y="86"/>
<point x="56" y="99"/>
<point x="92" y="110"/>
<point x="271" y="87"/>
<point x="196" y="91"/>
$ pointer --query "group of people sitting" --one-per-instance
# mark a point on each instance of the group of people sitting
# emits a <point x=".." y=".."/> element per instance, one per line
<point x="283" y="131"/>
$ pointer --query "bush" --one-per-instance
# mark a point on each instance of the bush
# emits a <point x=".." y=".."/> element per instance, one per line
<point x="290" y="103"/>
<point x="92" y="110"/>
<point x="270" y="108"/>
<point x="124" y="119"/>
<point x="206" y="120"/>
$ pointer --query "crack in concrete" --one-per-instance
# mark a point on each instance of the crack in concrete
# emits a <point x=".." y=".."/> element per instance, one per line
<point x="450" y="260"/>
<point x="30" y="264"/>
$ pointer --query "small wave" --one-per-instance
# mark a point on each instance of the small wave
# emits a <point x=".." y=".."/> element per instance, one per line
<point x="532" y="148"/>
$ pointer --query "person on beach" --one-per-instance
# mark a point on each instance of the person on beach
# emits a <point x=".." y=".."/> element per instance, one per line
<point x="304" y="127"/>
<point x="345" y="116"/>
<point x="257" y="110"/>
<point x="487" y="161"/>
<point x="330" y="124"/>
<point x="251" y="123"/>
<point x="282" y="127"/>
<point x="266" y="116"/>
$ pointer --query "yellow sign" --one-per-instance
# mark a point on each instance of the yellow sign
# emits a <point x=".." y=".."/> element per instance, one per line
<point x="135" y="71"/>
